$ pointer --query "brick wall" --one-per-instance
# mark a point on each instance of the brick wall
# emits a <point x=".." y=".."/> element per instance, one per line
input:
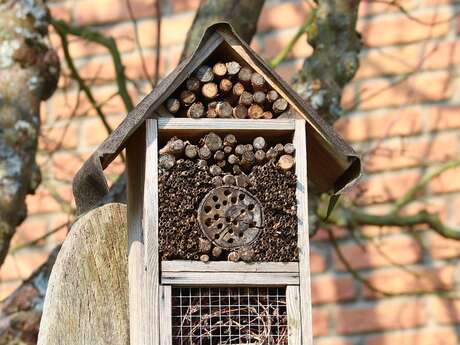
<point x="403" y="115"/>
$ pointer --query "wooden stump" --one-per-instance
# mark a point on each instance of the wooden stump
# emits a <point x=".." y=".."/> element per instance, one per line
<point x="87" y="298"/>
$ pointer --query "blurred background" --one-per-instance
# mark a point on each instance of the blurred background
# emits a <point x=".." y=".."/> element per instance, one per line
<point x="376" y="283"/>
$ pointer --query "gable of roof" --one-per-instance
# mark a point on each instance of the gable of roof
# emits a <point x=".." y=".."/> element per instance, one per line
<point x="332" y="163"/>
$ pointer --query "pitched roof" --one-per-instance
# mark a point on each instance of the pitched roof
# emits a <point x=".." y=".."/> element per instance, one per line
<point x="332" y="163"/>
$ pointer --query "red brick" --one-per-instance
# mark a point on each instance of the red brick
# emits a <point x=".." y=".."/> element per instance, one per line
<point x="323" y="235"/>
<point x="275" y="43"/>
<point x="7" y="288"/>
<point x="447" y="182"/>
<point x="417" y="337"/>
<point x="87" y="12"/>
<point x="184" y="5"/>
<point x="321" y="319"/>
<point x="41" y="202"/>
<point x="443" y="248"/>
<point x="408" y="59"/>
<point x="383" y="188"/>
<point x="60" y="12"/>
<point x="289" y="69"/>
<point x="94" y="132"/>
<point x="443" y="117"/>
<point x="174" y="30"/>
<point x="332" y="341"/>
<point x="124" y="38"/>
<point x="29" y="230"/>
<point x="274" y="16"/>
<point x="21" y="265"/>
<point x="399" y="153"/>
<point x="317" y="261"/>
<point x="63" y="222"/>
<point x="402" y="29"/>
<point x="383" y="316"/>
<point x="330" y="289"/>
<point x="445" y="311"/>
<point x="387" y="251"/>
<point x="62" y="137"/>
<point x="433" y="86"/>
<point x="370" y="7"/>
<point x="64" y="165"/>
<point x="411" y="281"/>
<point x="402" y="122"/>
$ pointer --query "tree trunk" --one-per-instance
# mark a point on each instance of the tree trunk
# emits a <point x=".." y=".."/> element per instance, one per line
<point x="242" y="15"/>
<point x="335" y="58"/>
<point x="29" y="70"/>
<point x="332" y="65"/>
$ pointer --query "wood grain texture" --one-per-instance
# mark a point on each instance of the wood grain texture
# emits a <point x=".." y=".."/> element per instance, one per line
<point x="229" y="279"/>
<point x="165" y="315"/>
<point x="303" y="240"/>
<point x="87" y="298"/>
<point x="135" y="154"/>
<point x="227" y="266"/>
<point x="151" y="291"/>
<point x="225" y="124"/>
<point x="293" y="312"/>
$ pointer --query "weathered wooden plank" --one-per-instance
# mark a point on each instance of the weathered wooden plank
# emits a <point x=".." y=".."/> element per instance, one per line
<point x="151" y="291"/>
<point x="293" y="312"/>
<point x="225" y="124"/>
<point x="226" y="266"/>
<point x="229" y="279"/>
<point x="87" y="298"/>
<point x="165" y="315"/>
<point x="303" y="240"/>
<point x="135" y="154"/>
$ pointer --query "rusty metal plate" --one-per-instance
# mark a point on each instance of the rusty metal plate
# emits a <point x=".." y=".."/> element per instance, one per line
<point x="230" y="217"/>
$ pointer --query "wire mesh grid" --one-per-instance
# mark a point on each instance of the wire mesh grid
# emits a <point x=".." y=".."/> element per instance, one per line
<point x="229" y="316"/>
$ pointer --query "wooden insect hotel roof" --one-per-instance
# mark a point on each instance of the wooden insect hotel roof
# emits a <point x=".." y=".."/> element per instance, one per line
<point x="332" y="163"/>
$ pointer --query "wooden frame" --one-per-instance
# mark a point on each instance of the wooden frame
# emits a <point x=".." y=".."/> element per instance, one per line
<point x="151" y="281"/>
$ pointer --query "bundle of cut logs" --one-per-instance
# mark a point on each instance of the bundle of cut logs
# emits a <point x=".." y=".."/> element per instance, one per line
<point x="224" y="155"/>
<point x="227" y="90"/>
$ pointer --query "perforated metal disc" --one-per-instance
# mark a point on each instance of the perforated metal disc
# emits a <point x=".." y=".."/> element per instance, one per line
<point x="230" y="217"/>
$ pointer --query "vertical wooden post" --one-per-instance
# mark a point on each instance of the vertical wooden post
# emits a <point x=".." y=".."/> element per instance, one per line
<point x="293" y="312"/>
<point x="135" y="153"/>
<point x="303" y="239"/>
<point x="151" y="292"/>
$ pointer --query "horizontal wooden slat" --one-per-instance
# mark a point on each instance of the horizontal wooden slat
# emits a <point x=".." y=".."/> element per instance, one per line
<point x="229" y="279"/>
<point x="227" y="266"/>
<point x="225" y="124"/>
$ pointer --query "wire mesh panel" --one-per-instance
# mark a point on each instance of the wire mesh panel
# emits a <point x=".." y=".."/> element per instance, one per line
<point x="229" y="316"/>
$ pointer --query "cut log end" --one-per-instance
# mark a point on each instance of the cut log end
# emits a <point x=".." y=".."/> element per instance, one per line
<point x="224" y="110"/>
<point x="219" y="69"/>
<point x="196" y="110"/>
<point x="209" y="90"/>
<point x="173" y="105"/>
<point x="187" y="97"/>
<point x="240" y="112"/>
<point x="233" y="68"/>
<point x="257" y="81"/>
<point x="213" y="142"/>
<point x="255" y="111"/>
<point x="244" y="75"/>
<point x="225" y="85"/>
<point x="204" y="74"/>
<point x="286" y="162"/>
<point x="280" y="105"/>
<point x="192" y="84"/>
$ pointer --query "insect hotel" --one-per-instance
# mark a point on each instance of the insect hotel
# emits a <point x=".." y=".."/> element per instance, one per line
<point x="219" y="157"/>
